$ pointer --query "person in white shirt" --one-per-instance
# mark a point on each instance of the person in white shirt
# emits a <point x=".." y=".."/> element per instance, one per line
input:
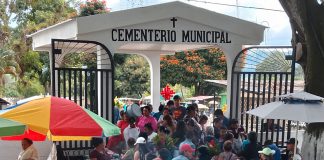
<point x="131" y="131"/>
<point x="149" y="131"/>
<point x="29" y="151"/>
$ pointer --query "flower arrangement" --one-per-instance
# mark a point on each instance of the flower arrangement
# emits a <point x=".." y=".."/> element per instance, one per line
<point x="163" y="141"/>
<point x="213" y="148"/>
<point x="118" y="103"/>
<point x="92" y="7"/>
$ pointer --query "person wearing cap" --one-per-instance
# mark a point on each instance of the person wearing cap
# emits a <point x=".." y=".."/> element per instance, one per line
<point x="266" y="154"/>
<point x="290" y="147"/>
<point x="141" y="149"/>
<point x="271" y="145"/>
<point x="186" y="153"/>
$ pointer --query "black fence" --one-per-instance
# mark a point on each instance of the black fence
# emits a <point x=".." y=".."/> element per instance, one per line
<point x="259" y="74"/>
<point x="83" y="71"/>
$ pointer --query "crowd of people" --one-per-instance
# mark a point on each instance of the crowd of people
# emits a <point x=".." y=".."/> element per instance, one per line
<point x="179" y="133"/>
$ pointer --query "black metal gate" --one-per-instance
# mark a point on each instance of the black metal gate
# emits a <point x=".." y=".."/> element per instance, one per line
<point x="83" y="71"/>
<point x="258" y="75"/>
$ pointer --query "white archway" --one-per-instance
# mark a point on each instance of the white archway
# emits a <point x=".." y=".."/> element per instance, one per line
<point x="159" y="29"/>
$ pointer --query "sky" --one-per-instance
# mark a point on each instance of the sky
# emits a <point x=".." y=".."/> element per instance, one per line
<point x="278" y="33"/>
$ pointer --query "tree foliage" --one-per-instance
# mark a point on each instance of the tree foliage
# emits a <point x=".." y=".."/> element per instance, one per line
<point x="92" y="7"/>
<point x="19" y="18"/>
<point x="191" y="68"/>
<point x="132" y="78"/>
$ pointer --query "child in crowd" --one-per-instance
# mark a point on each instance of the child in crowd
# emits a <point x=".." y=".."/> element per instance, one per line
<point x="129" y="155"/>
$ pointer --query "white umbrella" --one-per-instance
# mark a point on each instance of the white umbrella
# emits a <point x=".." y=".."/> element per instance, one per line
<point x="300" y="106"/>
<point x="303" y="112"/>
<point x="30" y="99"/>
<point x="201" y="106"/>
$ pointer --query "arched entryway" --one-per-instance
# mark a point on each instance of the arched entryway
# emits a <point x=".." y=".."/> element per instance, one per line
<point x="259" y="74"/>
<point x="159" y="29"/>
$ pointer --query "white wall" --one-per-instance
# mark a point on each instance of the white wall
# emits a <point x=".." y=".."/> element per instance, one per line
<point x="9" y="150"/>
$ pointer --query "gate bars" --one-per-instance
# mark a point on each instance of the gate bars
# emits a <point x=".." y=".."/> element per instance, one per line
<point x="90" y="85"/>
<point x="258" y="75"/>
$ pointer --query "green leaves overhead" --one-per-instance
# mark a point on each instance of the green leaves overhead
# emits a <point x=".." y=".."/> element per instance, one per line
<point x="19" y="18"/>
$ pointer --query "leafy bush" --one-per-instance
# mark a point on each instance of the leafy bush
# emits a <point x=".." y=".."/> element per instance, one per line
<point x="92" y="7"/>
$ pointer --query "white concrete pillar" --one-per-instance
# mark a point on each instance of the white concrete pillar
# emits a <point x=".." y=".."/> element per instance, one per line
<point x="154" y="61"/>
<point x="230" y="53"/>
<point x="104" y="83"/>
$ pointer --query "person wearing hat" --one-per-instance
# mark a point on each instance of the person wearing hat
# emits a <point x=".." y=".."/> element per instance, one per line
<point x="186" y="153"/>
<point x="267" y="154"/>
<point x="269" y="143"/>
<point x="290" y="147"/>
<point x="140" y="148"/>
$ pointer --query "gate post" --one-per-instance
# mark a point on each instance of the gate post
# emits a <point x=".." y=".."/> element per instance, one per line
<point x="233" y="82"/>
<point x="103" y="62"/>
<point x="154" y="61"/>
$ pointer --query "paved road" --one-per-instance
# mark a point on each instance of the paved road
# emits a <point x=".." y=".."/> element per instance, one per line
<point x="9" y="150"/>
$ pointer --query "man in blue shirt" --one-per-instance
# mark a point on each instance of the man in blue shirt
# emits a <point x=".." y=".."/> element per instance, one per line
<point x="272" y="146"/>
<point x="219" y="114"/>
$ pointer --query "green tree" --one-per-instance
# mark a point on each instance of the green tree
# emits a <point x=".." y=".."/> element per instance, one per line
<point x="191" y="68"/>
<point x="28" y="17"/>
<point x="8" y="65"/>
<point x="132" y="78"/>
<point x="11" y="90"/>
<point x="307" y="23"/>
<point x="92" y="7"/>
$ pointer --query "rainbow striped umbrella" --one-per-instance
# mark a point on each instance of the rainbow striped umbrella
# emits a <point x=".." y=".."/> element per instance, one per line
<point x="9" y="128"/>
<point x="59" y="119"/>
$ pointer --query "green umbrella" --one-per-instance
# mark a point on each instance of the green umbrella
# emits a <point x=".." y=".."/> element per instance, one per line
<point x="11" y="128"/>
<point x="109" y="129"/>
